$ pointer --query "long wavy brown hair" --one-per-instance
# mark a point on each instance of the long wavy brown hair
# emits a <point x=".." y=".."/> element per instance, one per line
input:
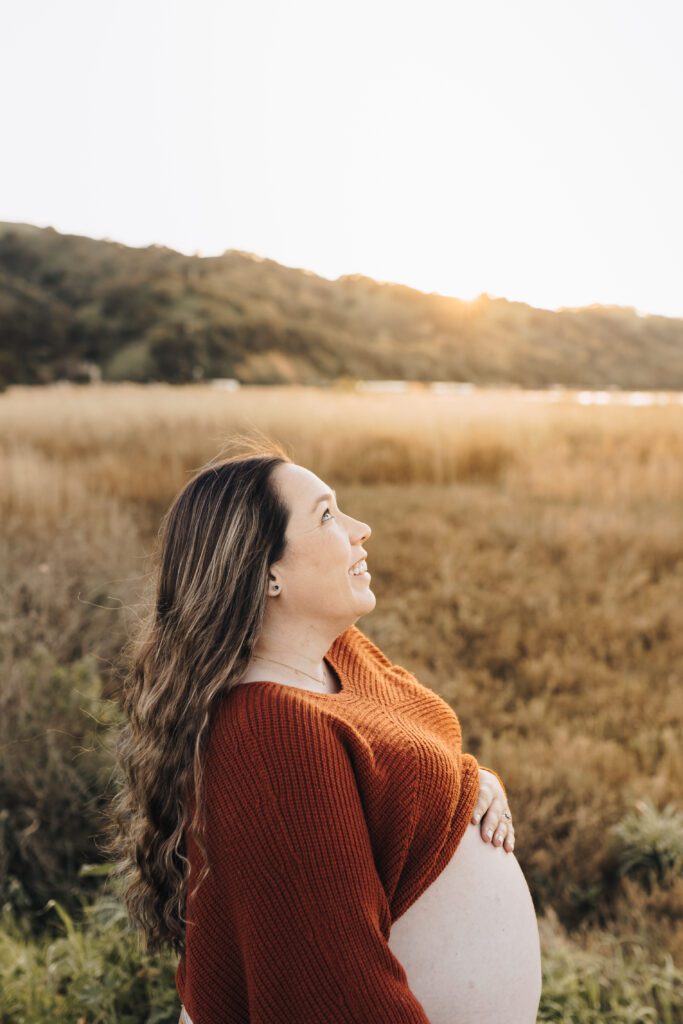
<point x="210" y="571"/>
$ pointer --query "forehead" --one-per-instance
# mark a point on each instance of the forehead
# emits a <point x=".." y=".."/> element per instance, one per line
<point x="299" y="485"/>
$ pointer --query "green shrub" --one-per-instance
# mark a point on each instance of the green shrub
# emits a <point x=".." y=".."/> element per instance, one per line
<point x="620" y="985"/>
<point x="92" y="972"/>
<point x="651" y="842"/>
<point x="57" y="735"/>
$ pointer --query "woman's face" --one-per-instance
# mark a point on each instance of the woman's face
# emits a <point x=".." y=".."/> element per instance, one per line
<point x="322" y="544"/>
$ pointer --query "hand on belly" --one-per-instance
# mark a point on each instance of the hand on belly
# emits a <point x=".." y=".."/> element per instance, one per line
<point x="478" y="911"/>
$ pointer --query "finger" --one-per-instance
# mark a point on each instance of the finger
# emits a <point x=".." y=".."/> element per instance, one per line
<point x="492" y="818"/>
<point x="484" y="801"/>
<point x="479" y="809"/>
<point x="494" y="826"/>
<point x="485" y="796"/>
<point x="489" y="823"/>
<point x="504" y="835"/>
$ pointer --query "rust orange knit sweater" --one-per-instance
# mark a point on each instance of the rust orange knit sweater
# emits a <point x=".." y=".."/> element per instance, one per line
<point x="327" y="816"/>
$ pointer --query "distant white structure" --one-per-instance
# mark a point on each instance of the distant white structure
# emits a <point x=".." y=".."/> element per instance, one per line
<point x="382" y="385"/>
<point x="225" y="383"/>
<point x="593" y="398"/>
<point x="555" y="393"/>
<point x="633" y="398"/>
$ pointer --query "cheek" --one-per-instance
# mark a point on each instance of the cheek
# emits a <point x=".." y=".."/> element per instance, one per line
<point x="322" y="554"/>
<point x="331" y="554"/>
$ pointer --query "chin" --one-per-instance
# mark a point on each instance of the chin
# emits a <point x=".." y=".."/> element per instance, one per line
<point x="371" y="600"/>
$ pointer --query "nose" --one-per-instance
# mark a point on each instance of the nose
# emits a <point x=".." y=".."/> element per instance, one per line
<point x="366" y="531"/>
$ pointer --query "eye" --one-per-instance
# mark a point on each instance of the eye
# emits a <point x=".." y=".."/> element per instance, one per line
<point x="327" y="512"/>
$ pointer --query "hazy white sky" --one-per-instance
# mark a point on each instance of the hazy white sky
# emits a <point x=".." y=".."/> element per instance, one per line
<point x="529" y="149"/>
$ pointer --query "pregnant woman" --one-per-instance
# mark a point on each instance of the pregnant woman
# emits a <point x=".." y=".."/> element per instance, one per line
<point x="298" y="820"/>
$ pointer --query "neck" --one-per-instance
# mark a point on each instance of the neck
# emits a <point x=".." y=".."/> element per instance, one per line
<point x="297" y="647"/>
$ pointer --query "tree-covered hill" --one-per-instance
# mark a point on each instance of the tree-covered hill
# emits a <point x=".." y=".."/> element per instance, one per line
<point x="69" y="304"/>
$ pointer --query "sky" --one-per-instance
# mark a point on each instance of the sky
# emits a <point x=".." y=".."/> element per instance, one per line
<point x="529" y="149"/>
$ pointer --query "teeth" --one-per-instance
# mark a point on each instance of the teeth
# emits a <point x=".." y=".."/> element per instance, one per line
<point x="359" y="568"/>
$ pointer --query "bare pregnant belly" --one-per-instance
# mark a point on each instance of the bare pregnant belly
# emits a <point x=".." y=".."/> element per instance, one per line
<point x="470" y="944"/>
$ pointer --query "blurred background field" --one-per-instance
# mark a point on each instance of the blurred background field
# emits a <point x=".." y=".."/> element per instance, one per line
<point x="527" y="559"/>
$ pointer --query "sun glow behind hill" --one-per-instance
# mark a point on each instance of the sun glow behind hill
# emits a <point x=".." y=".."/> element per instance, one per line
<point x="525" y="150"/>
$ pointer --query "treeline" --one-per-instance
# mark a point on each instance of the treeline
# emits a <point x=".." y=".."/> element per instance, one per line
<point x="78" y="308"/>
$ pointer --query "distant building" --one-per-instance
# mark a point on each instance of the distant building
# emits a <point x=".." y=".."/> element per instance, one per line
<point x="382" y="385"/>
<point x="225" y="383"/>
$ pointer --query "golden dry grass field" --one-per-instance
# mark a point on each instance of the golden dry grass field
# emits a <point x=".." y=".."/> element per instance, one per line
<point x="527" y="560"/>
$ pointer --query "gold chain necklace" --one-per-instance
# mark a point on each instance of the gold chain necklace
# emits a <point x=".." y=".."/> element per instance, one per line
<point x="293" y="667"/>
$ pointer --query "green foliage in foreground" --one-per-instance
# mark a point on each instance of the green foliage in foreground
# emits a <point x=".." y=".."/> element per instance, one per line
<point x="57" y="734"/>
<point x="94" y="973"/>
<point x="620" y="986"/>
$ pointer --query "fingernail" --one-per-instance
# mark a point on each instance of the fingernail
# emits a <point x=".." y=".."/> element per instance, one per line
<point x="477" y="816"/>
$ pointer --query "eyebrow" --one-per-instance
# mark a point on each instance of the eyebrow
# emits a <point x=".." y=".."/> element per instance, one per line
<point x="324" y="497"/>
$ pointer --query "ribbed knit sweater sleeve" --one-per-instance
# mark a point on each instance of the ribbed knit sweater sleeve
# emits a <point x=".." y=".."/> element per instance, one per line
<point x="296" y="897"/>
